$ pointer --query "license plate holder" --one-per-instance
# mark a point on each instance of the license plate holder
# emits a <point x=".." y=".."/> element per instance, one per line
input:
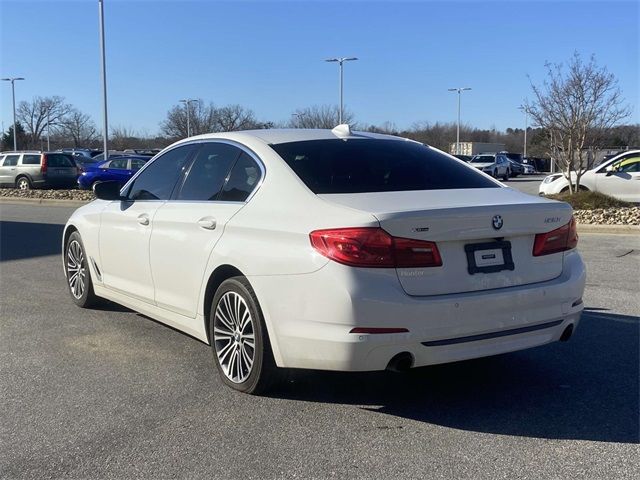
<point x="489" y="257"/>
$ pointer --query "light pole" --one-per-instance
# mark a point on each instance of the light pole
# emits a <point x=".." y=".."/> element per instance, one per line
<point x="13" y="94"/>
<point x="526" y="121"/>
<point x="103" y="63"/>
<point x="187" y="103"/>
<point x="459" y="90"/>
<point x="340" y="61"/>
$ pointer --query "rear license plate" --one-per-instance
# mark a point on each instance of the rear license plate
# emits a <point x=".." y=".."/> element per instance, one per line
<point x="489" y="257"/>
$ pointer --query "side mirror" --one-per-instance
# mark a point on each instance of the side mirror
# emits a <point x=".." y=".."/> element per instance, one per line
<point x="107" y="190"/>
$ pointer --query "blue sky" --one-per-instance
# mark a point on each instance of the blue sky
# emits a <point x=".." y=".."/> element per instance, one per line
<point x="268" y="56"/>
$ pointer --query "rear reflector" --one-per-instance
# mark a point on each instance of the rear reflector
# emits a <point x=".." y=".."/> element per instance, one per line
<point x="378" y="330"/>
<point x="374" y="247"/>
<point x="558" y="240"/>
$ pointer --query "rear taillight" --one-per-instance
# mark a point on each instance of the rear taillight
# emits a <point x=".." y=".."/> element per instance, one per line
<point x="374" y="247"/>
<point x="43" y="163"/>
<point x="558" y="240"/>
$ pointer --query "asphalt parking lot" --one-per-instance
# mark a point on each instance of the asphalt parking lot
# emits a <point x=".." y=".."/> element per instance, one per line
<point x="108" y="393"/>
<point x="526" y="183"/>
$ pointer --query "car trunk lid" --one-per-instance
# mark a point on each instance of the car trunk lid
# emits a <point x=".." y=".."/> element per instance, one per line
<point x="485" y="236"/>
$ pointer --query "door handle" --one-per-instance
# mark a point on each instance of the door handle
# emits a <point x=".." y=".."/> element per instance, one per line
<point x="208" y="223"/>
<point x="143" y="219"/>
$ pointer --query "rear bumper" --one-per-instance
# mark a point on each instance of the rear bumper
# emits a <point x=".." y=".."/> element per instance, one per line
<point x="310" y="317"/>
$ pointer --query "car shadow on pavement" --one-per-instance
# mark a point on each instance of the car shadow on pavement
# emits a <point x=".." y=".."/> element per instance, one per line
<point x="585" y="389"/>
<point x="20" y="240"/>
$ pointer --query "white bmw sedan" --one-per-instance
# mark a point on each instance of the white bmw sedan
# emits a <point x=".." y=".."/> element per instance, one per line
<point x="328" y="249"/>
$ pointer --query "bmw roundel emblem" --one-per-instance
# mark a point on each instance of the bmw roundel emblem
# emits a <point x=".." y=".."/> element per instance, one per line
<point x="497" y="222"/>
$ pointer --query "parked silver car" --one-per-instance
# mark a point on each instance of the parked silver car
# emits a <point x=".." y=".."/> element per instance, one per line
<point x="35" y="169"/>
<point x="496" y="165"/>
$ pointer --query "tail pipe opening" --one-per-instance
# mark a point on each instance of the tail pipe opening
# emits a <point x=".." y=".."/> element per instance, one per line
<point x="400" y="362"/>
<point x="566" y="335"/>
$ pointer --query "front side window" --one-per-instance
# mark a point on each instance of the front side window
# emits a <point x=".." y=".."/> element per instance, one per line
<point x="10" y="160"/>
<point x="243" y="179"/>
<point x="31" y="160"/>
<point x="372" y="165"/>
<point x="157" y="180"/>
<point x="208" y="171"/>
<point x="628" y="165"/>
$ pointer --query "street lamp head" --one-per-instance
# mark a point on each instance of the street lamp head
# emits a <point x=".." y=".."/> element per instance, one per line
<point x="332" y="60"/>
<point x="349" y="58"/>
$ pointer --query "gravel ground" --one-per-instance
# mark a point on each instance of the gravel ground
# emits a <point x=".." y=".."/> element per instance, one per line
<point x="609" y="216"/>
<point x="49" y="194"/>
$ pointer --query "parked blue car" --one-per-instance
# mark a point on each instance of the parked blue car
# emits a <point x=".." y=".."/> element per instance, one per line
<point x="120" y="169"/>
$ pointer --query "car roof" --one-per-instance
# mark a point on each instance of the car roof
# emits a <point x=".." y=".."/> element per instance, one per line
<point x="19" y="152"/>
<point x="287" y="135"/>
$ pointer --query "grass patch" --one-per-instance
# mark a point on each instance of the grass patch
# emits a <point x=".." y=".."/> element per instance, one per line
<point x="584" y="200"/>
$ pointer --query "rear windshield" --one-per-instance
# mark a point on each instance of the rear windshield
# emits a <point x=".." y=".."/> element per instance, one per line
<point x="59" y="160"/>
<point x="357" y="166"/>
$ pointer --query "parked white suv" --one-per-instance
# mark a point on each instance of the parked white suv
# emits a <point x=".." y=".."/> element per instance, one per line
<point x="618" y="177"/>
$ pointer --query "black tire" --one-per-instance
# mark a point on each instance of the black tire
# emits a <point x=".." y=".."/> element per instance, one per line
<point x="505" y="177"/>
<point x="23" y="183"/>
<point x="87" y="297"/>
<point x="263" y="372"/>
<point x="494" y="174"/>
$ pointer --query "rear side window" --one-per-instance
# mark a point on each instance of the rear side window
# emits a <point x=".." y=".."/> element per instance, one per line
<point x="31" y="160"/>
<point x="208" y="171"/>
<point x="243" y="179"/>
<point x="358" y="166"/>
<point x="157" y="180"/>
<point x="10" y="160"/>
<point x="59" y="160"/>
<point x="119" y="163"/>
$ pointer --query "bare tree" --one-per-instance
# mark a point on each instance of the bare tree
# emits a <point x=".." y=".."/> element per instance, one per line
<point x="78" y="127"/>
<point x="235" y="117"/>
<point x="576" y="108"/>
<point x="202" y="119"/>
<point x="319" y="116"/>
<point x="122" y="137"/>
<point x="39" y="113"/>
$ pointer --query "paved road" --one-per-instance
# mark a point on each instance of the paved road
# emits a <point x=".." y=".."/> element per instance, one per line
<point x="526" y="183"/>
<point x="110" y="394"/>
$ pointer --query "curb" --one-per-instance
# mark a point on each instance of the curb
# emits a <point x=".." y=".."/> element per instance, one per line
<point x="615" y="229"/>
<point x="54" y="202"/>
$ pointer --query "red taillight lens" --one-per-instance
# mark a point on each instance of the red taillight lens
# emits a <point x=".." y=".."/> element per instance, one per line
<point x="43" y="163"/>
<point x="416" y="253"/>
<point x="558" y="240"/>
<point x="362" y="247"/>
<point x="373" y="247"/>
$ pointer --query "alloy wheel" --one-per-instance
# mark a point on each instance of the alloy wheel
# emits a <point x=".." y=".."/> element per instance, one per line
<point x="76" y="269"/>
<point x="234" y="337"/>
<point x="23" y="184"/>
